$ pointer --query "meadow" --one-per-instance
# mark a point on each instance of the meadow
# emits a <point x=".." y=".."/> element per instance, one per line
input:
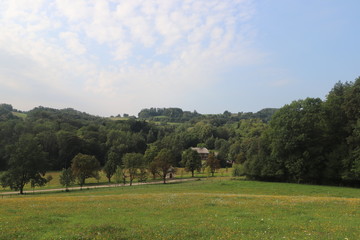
<point x="208" y="208"/>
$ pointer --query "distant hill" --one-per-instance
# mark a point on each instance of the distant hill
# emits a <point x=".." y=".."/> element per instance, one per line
<point x="8" y="112"/>
<point x="51" y="113"/>
<point x="163" y="115"/>
<point x="178" y="115"/>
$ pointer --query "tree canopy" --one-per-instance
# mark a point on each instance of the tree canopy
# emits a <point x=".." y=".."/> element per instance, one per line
<point x="191" y="161"/>
<point x="85" y="166"/>
<point x="27" y="163"/>
<point x="133" y="162"/>
<point x="163" y="162"/>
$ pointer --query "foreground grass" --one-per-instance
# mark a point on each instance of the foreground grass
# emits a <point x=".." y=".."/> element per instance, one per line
<point x="216" y="208"/>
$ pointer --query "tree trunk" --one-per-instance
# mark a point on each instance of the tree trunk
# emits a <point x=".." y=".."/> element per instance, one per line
<point x="192" y="173"/>
<point x="82" y="182"/>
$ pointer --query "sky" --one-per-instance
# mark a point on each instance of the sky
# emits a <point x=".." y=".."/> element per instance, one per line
<point x="109" y="57"/>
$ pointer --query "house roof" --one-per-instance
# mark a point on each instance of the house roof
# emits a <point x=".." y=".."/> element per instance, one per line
<point x="200" y="150"/>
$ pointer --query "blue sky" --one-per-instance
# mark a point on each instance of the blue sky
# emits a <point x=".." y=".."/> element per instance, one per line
<point x="107" y="57"/>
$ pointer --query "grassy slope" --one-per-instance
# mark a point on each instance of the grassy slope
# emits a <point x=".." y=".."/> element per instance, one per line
<point x="214" y="208"/>
<point x="119" y="118"/>
<point x="20" y="115"/>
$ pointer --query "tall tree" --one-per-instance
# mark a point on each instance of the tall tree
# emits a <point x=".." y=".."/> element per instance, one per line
<point x="111" y="164"/>
<point x="85" y="166"/>
<point x="132" y="162"/>
<point x="297" y="140"/>
<point x="69" y="146"/>
<point x="337" y="132"/>
<point x="191" y="161"/>
<point x="27" y="163"/>
<point x="66" y="178"/>
<point x="213" y="163"/>
<point x="163" y="161"/>
<point x="151" y="153"/>
<point x="351" y="164"/>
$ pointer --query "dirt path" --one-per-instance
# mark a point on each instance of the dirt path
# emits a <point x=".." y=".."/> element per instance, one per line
<point x="93" y="187"/>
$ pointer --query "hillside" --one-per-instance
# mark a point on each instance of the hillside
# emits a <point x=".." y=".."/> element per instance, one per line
<point x="178" y="115"/>
<point x="306" y="141"/>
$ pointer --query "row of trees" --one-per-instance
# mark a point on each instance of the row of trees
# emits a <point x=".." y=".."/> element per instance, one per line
<point x="178" y="115"/>
<point x="28" y="165"/>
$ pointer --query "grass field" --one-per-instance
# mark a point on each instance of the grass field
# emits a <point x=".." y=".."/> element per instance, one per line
<point x="211" y="208"/>
<point x="119" y="118"/>
<point x="20" y="115"/>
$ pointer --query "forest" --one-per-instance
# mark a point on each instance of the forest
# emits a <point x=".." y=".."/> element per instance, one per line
<point x="311" y="140"/>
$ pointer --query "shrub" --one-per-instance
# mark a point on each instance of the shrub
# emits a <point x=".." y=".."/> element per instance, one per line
<point x="238" y="170"/>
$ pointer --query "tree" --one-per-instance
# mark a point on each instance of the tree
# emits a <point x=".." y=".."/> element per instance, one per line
<point x="191" y="161"/>
<point x="123" y="172"/>
<point x="237" y="170"/>
<point x="337" y="132"/>
<point x="297" y="140"/>
<point x="234" y="155"/>
<point x="6" y="111"/>
<point x="151" y="153"/>
<point x="37" y="182"/>
<point x="163" y="162"/>
<point x="85" y="166"/>
<point x="69" y="145"/>
<point x="28" y="163"/>
<point x="110" y="165"/>
<point x="66" y="178"/>
<point x="118" y="175"/>
<point x="132" y="162"/>
<point x="143" y="175"/>
<point x="153" y="169"/>
<point x="213" y="163"/>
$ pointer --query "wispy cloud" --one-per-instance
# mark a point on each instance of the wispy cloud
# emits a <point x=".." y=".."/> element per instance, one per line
<point x="72" y="42"/>
<point x="119" y="56"/>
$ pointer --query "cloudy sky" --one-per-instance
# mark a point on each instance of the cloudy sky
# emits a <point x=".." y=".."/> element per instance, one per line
<point x="107" y="57"/>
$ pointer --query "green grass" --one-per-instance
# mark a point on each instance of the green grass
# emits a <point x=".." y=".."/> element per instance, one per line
<point x="212" y="208"/>
<point x="20" y="115"/>
<point x="119" y="118"/>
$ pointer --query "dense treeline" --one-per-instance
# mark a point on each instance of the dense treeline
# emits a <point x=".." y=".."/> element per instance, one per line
<point x="309" y="141"/>
<point x="178" y="115"/>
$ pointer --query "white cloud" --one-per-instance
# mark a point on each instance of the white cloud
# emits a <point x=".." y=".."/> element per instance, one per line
<point x="74" y="10"/>
<point x="123" y="54"/>
<point x="122" y="51"/>
<point x="73" y="43"/>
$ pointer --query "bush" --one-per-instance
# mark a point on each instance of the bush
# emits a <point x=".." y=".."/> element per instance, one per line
<point x="238" y="170"/>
